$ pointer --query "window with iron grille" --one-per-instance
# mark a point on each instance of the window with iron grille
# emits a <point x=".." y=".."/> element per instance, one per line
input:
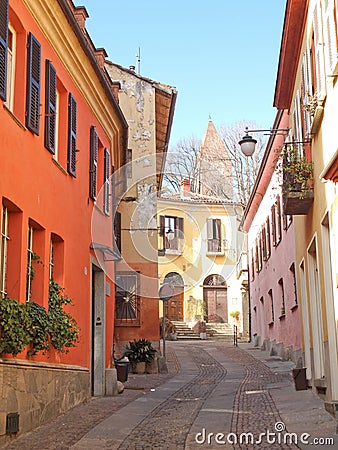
<point x="3" y="251"/>
<point x="33" y="85"/>
<point x="127" y="300"/>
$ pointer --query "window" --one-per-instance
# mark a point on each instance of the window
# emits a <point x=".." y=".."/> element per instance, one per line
<point x="30" y="259"/>
<point x="3" y="251"/>
<point x="272" y="307"/>
<point x="268" y="238"/>
<point x="3" y="47"/>
<point x="293" y="272"/>
<point x="281" y="286"/>
<point x="172" y="232"/>
<point x="214" y="236"/>
<point x="11" y="56"/>
<point x="72" y="119"/>
<point x="278" y="220"/>
<point x="94" y="149"/>
<point x="50" y="108"/>
<point x="33" y="85"/>
<point x="106" y="182"/>
<point x="56" y="256"/>
<point x="117" y="231"/>
<point x="127" y="307"/>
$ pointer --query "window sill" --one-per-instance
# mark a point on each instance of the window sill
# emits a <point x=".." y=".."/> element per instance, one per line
<point x="282" y="317"/>
<point x="169" y="251"/>
<point x="58" y="165"/>
<point x="18" y="121"/>
<point x="215" y="253"/>
<point x="294" y="308"/>
<point x="270" y="324"/>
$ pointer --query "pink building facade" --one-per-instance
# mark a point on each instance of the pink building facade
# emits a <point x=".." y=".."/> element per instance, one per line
<point x="275" y="314"/>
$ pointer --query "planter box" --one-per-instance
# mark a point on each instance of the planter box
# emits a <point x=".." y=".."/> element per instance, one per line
<point x="297" y="202"/>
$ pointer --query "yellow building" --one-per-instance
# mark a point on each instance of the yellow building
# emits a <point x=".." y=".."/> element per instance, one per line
<point x="200" y="249"/>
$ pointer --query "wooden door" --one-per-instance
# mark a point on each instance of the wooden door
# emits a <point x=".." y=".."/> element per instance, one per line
<point x="174" y="306"/>
<point x="216" y="304"/>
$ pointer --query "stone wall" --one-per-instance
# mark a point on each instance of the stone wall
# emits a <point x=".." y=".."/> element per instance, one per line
<point x="39" y="392"/>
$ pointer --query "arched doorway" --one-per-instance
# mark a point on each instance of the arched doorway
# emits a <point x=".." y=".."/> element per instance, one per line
<point x="174" y="306"/>
<point x="215" y="299"/>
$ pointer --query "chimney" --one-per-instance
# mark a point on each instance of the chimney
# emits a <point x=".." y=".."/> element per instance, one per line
<point x="185" y="187"/>
<point x="116" y="86"/>
<point x="100" y="55"/>
<point x="80" y="14"/>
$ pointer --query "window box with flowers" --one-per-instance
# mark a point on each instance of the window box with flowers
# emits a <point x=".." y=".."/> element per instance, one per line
<point x="297" y="181"/>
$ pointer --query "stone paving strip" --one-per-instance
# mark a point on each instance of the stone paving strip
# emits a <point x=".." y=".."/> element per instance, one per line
<point x="167" y="426"/>
<point x="254" y="410"/>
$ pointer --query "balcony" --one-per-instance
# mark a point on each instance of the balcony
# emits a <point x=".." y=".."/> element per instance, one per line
<point x="297" y="182"/>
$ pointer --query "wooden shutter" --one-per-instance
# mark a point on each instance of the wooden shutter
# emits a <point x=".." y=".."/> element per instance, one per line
<point x="71" y="163"/>
<point x="330" y="28"/>
<point x="3" y="47"/>
<point x="117" y="231"/>
<point x="106" y="181"/>
<point x="180" y="227"/>
<point x="162" y="225"/>
<point x="307" y="90"/>
<point x="319" y="53"/>
<point x="50" y="107"/>
<point x="33" y="85"/>
<point x="94" y="148"/>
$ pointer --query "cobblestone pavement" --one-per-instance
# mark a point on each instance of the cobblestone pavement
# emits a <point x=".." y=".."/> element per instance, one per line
<point x="255" y="400"/>
<point x="168" y="424"/>
<point x="209" y="384"/>
<point x="70" y="427"/>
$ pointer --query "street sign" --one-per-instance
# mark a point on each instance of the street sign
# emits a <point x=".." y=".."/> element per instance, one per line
<point x="166" y="292"/>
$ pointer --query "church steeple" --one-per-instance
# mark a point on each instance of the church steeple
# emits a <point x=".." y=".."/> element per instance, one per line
<point x="215" y="165"/>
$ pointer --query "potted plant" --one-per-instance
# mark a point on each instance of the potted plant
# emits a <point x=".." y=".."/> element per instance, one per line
<point x="140" y="352"/>
<point x="235" y="315"/>
<point x="297" y="181"/>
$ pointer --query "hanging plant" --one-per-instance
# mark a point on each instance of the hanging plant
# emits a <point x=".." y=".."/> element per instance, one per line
<point x="297" y="170"/>
<point x="23" y="324"/>
<point x="63" y="329"/>
<point x="38" y="328"/>
<point x="14" y="334"/>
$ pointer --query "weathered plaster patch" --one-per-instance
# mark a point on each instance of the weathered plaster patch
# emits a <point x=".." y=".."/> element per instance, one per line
<point x="146" y="207"/>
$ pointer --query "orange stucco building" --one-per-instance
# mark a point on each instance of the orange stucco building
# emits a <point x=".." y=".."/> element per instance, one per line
<point x="61" y="134"/>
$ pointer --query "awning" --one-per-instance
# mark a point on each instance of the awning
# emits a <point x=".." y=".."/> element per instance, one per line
<point x="108" y="253"/>
<point x="331" y="170"/>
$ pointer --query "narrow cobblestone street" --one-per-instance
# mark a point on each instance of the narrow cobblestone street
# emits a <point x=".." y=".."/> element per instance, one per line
<point x="214" y="393"/>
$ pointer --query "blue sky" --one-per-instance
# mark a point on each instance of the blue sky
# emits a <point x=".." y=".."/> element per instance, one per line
<point x="221" y="55"/>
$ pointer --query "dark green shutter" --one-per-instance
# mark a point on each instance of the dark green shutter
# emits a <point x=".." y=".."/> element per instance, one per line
<point x="3" y="47"/>
<point x="33" y="85"/>
<point x="50" y="107"/>
<point x="106" y="181"/>
<point x="94" y="148"/>
<point x="71" y="163"/>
